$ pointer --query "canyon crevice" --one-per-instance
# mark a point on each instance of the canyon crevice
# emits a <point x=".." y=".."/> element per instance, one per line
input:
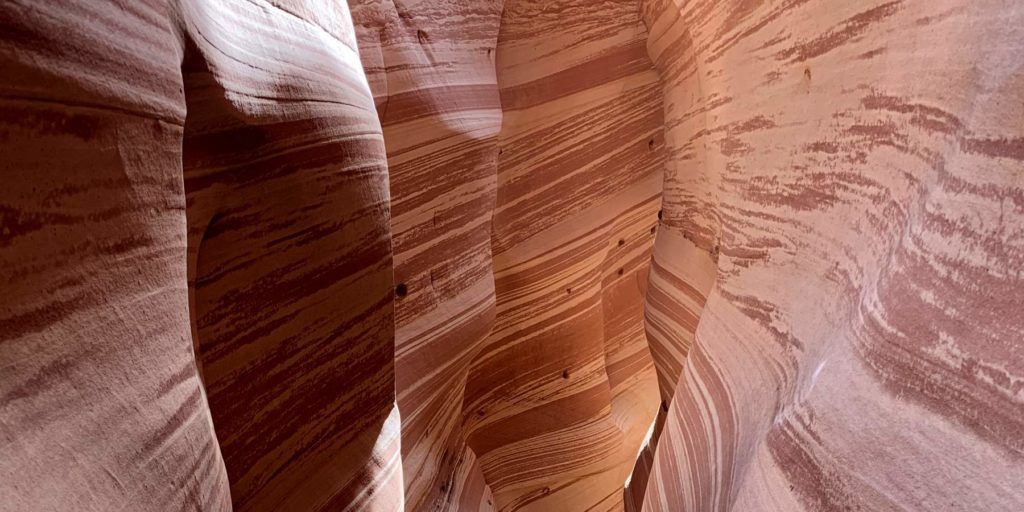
<point x="499" y="255"/>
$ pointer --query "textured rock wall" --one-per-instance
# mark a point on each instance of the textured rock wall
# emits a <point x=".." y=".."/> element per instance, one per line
<point x="843" y="213"/>
<point x="431" y="67"/>
<point x="564" y="390"/>
<point x="100" y="402"/>
<point x="215" y="297"/>
<point x="291" y="260"/>
<point x="260" y="115"/>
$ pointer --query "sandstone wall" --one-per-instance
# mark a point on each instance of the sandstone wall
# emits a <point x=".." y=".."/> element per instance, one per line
<point x="229" y="149"/>
<point x="455" y="200"/>
<point x="564" y="390"/>
<point x="843" y="212"/>
<point x="431" y="67"/>
<point x="100" y="402"/>
<point x="656" y="255"/>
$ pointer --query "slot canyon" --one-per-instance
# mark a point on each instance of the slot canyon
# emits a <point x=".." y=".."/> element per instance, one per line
<point x="511" y="255"/>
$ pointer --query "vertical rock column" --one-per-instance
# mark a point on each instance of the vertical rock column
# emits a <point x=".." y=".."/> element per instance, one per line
<point x="101" y="407"/>
<point x="291" y="255"/>
<point x="431" y="67"/>
<point x="855" y="174"/>
<point x="564" y="389"/>
<point x="284" y="242"/>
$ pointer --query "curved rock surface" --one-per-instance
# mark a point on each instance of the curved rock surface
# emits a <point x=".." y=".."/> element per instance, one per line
<point x="253" y="121"/>
<point x="547" y="255"/>
<point x="843" y="213"/>
<point x="564" y="389"/>
<point x="430" y="65"/>
<point x="100" y="403"/>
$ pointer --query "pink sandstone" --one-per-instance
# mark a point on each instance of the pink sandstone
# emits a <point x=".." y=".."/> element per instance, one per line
<point x="503" y="255"/>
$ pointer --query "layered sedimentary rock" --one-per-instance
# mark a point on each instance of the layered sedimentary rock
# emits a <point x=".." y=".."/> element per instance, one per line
<point x="431" y="67"/>
<point x="100" y="403"/>
<point x="854" y="174"/>
<point x="564" y="390"/>
<point x="512" y="255"/>
<point x="260" y="114"/>
<point x="290" y="255"/>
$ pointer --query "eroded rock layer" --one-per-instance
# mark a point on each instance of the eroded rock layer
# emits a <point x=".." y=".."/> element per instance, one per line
<point x="564" y="389"/>
<point x="259" y="114"/>
<point x="854" y="174"/>
<point x="290" y="255"/>
<point x="100" y="403"/>
<point x="431" y="67"/>
<point x="547" y="255"/>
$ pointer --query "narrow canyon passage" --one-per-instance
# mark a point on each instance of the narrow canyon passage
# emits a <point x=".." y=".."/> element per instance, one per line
<point x="512" y="255"/>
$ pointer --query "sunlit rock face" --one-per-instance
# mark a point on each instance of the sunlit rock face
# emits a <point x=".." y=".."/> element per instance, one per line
<point x="845" y="197"/>
<point x="231" y="150"/>
<point x="547" y="335"/>
<point x="564" y="390"/>
<point x="502" y="255"/>
<point x="431" y="68"/>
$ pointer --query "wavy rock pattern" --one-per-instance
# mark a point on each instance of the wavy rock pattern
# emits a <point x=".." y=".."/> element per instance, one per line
<point x="853" y="174"/>
<point x="260" y="113"/>
<point x="100" y="403"/>
<point x="249" y="264"/>
<point x="430" y="65"/>
<point x="564" y="389"/>
<point x="291" y="260"/>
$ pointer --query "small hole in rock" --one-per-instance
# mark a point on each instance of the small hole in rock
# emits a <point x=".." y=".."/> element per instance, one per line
<point x="664" y="406"/>
<point x="422" y="36"/>
<point x="661" y="213"/>
<point x="621" y="242"/>
<point x="401" y="290"/>
<point x="621" y="271"/>
<point x="568" y="291"/>
<point x="653" y="229"/>
<point x="650" y="144"/>
<point x="565" y="374"/>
